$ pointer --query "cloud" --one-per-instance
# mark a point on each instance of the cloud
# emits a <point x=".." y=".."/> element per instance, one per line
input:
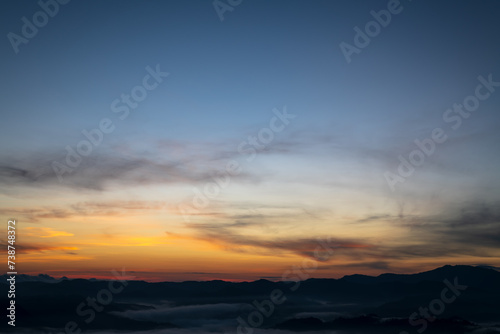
<point x="220" y="314"/>
<point x="25" y="248"/>
<point x="167" y="161"/>
<point x="100" y="170"/>
<point x="474" y="231"/>
<point x="226" y="236"/>
<point x="97" y="173"/>
<point x="45" y="232"/>
<point x="87" y="209"/>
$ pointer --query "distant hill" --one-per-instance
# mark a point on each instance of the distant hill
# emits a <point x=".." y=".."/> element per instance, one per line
<point x="469" y="275"/>
<point x="355" y="303"/>
<point x="28" y="278"/>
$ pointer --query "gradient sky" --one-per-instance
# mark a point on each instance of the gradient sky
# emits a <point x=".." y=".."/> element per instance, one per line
<point x="322" y="176"/>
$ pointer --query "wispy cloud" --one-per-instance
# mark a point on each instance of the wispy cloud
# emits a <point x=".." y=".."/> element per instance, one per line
<point x="115" y="166"/>
<point x="45" y="232"/>
<point x="87" y="209"/>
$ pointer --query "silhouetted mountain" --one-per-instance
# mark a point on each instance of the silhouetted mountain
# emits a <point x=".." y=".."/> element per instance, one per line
<point x="29" y="278"/>
<point x="315" y="304"/>
<point x="470" y="276"/>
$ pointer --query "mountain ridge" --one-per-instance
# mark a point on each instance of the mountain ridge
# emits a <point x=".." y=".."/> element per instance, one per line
<point x="430" y="275"/>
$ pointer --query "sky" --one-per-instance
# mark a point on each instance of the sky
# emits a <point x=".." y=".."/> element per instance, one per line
<point x="198" y="140"/>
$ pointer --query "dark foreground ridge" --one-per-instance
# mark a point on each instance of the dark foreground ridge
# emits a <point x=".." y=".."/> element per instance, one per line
<point x="450" y="299"/>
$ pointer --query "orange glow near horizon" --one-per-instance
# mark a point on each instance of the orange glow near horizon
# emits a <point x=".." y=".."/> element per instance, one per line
<point x="152" y="240"/>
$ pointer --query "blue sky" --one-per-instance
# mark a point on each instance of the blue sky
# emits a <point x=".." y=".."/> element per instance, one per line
<point x="352" y="121"/>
